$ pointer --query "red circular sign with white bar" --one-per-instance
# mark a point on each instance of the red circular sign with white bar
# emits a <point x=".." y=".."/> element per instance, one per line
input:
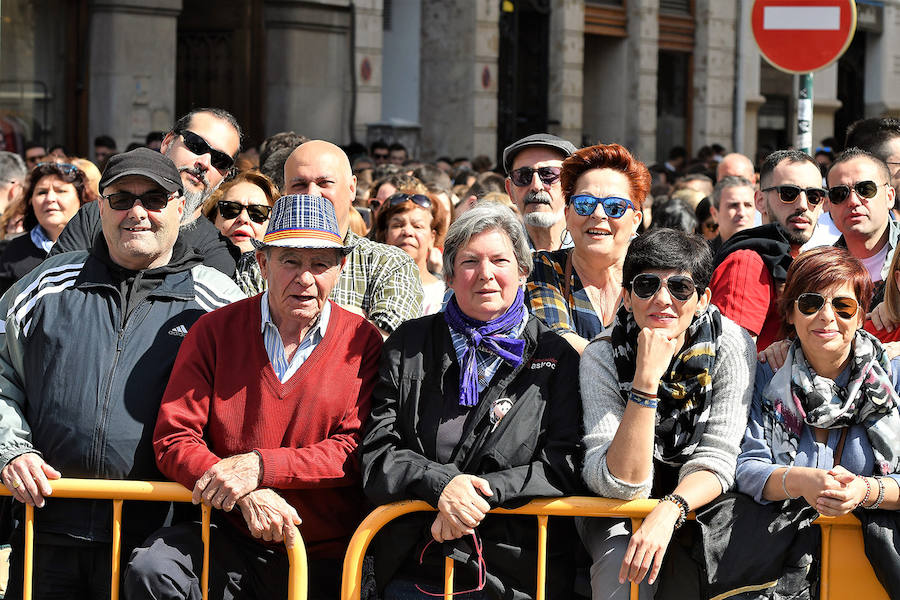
<point x="801" y="36"/>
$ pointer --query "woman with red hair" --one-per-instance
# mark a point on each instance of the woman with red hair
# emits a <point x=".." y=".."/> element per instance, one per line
<point x="577" y="290"/>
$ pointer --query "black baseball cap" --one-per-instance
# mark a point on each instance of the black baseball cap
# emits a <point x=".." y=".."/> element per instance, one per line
<point x="565" y="147"/>
<point x="146" y="163"/>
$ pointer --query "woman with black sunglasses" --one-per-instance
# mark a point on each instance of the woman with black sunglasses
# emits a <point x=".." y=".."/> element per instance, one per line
<point x="576" y="290"/>
<point x="240" y="208"/>
<point x="55" y="193"/>
<point x="666" y="393"/>
<point x="823" y="436"/>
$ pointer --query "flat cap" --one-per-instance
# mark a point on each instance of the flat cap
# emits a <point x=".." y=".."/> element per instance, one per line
<point x="545" y="140"/>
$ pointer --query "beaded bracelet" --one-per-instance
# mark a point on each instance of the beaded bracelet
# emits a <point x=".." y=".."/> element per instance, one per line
<point x="868" y="491"/>
<point x="682" y="504"/>
<point x="643" y="399"/>
<point x="784" y="480"/>
<point x="880" y="494"/>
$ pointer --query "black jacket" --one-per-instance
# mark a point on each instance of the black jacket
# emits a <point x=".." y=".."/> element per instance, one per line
<point x="534" y="451"/>
<point x="214" y="249"/>
<point x="19" y="257"/>
<point x="86" y="355"/>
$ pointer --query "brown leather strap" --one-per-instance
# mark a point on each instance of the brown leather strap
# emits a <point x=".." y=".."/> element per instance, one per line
<point x="567" y="275"/>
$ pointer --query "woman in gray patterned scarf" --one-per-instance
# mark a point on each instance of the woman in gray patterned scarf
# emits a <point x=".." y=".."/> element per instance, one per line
<point x="666" y="392"/>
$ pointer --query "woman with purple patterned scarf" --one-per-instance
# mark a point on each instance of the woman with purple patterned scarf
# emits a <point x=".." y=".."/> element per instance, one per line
<point x="477" y="407"/>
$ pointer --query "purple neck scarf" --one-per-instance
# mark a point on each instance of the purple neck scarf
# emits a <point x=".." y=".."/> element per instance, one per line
<point x="489" y="337"/>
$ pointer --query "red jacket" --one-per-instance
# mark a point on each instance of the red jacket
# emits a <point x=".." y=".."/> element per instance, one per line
<point x="224" y="398"/>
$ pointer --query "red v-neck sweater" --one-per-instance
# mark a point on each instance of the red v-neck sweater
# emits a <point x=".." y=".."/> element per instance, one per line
<point x="223" y="398"/>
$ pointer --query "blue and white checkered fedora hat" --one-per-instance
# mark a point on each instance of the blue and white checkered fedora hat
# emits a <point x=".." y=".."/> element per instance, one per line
<point x="302" y="221"/>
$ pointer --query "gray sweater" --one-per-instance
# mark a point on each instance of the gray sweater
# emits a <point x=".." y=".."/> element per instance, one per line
<point x="720" y="442"/>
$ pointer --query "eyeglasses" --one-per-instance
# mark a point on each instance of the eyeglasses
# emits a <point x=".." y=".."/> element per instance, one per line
<point x="199" y="146"/>
<point x="710" y="226"/>
<point x="65" y="171"/>
<point x="379" y="155"/>
<point x="400" y="198"/>
<point x="482" y="569"/>
<point x="154" y="200"/>
<point x="789" y="193"/>
<point x="525" y="175"/>
<point x="810" y="303"/>
<point x="258" y="213"/>
<point x="613" y="206"/>
<point x="864" y="189"/>
<point x="645" y="286"/>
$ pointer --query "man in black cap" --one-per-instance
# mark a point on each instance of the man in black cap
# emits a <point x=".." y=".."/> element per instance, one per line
<point x="89" y="341"/>
<point x="532" y="168"/>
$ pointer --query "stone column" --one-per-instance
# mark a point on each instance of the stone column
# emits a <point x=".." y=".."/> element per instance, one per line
<point x="640" y="77"/>
<point x="883" y="66"/>
<point x="132" y="68"/>
<point x="825" y="104"/>
<point x="713" y="73"/>
<point x="565" y="89"/>
<point x="750" y="74"/>
<point x="458" y="74"/>
<point x="368" y="63"/>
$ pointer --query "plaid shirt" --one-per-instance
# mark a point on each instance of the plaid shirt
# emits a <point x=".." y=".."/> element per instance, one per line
<point x="380" y="280"/>
<point x="543" y="293"/>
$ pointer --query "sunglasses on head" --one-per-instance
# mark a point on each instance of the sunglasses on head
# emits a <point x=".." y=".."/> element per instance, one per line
<point x="613" y="206"/>
<point x="400" y="198"/>
<point x="645" y="286"/>
<point x="66" y="171"/>
<point x="810" y="303"/>
<point x="154" y="200"/>
<point x="258" y="213"/>
<point x="864" y="189"/>
<point x="199" y="146"/>
<point x="525" y="175"/>
<point x="789" y="193"/>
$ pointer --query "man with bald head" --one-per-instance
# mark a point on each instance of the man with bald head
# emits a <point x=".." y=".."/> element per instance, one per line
<point x="380" y="282"/>
<point x="736" y="165"/>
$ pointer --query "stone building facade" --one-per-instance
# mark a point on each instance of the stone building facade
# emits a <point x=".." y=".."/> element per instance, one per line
<point x="446" y="77"/>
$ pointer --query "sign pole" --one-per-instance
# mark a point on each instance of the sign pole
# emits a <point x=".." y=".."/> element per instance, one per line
<point x="805" y="113"/>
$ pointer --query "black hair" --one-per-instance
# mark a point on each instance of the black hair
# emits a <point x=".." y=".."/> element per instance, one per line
<point x="678" y="152"/>
<point x="154" y="136"/>
<point x="675" y="213"/>
<point x="853" y="153"/>
<point x="873" y="135"/>
<point x="105" y="141"/>
<point x="397" y="146"/>
<point x="773" y="160"/>
<point x="378" y="145"/>
<point x="668" y="250"/>
<point x="220" y="113"/>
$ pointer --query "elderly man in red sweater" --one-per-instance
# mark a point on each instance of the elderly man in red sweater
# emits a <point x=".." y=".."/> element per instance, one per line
<point x="263" y="412"/>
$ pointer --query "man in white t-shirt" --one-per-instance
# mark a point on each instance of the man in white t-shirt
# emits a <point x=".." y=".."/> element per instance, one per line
<point x="860" y="198"/>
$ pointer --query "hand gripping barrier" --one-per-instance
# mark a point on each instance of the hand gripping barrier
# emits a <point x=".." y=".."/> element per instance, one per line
<point x="154" y="491"/>
<point x="846" y="573"/>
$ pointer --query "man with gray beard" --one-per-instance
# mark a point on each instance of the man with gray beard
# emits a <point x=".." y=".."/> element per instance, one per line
<point x="533" y="165"/>
<point x="202" y="144"/>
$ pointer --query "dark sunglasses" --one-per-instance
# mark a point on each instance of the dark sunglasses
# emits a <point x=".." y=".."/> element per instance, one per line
<point x="864" y="189"/>
<point x="810" y="303"/>
<point x="258" y="213"/>
<point x="66" y="171"/>
<point x="613" y="206"/>
<point x="154" y="200"/>
<point x="199" y="146"/>
<point x="525" y="175"/>
<point x="789" y="193"/>
<point x="400" y="198"/>
<point x="380" y="155"/>
<point x="710" y="226"/>
<point x="645" y="286"/>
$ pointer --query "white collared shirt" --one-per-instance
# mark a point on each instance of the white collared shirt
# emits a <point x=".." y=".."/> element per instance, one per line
<point x="284" y="367"/>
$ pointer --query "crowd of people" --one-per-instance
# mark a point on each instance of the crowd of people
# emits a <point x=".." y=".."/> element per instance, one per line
<point x="300" y="332"/>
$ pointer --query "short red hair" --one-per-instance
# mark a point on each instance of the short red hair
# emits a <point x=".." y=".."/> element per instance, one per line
<point x="817" y="270"/>
<point x="606" y="156"/>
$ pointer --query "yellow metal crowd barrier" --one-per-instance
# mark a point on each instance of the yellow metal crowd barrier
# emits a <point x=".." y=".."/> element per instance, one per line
<point x="158" y="491"/>
<point x="845" y="573"/>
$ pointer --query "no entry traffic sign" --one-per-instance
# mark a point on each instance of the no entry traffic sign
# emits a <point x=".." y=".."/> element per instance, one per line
<point x="801" y="36"/>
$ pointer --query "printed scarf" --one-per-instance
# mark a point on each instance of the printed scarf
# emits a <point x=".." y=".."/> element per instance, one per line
<point x="797" y="395"/>
<point x="491" y="336"/>
<point x="685" y="391"/>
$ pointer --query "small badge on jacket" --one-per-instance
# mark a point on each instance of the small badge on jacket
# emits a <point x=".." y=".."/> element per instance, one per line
<point x="499" y="409"/>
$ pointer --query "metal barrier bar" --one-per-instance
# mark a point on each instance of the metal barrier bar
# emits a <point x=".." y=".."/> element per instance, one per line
<point x="150" y="491"/>
<point x="573" y="506"/>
